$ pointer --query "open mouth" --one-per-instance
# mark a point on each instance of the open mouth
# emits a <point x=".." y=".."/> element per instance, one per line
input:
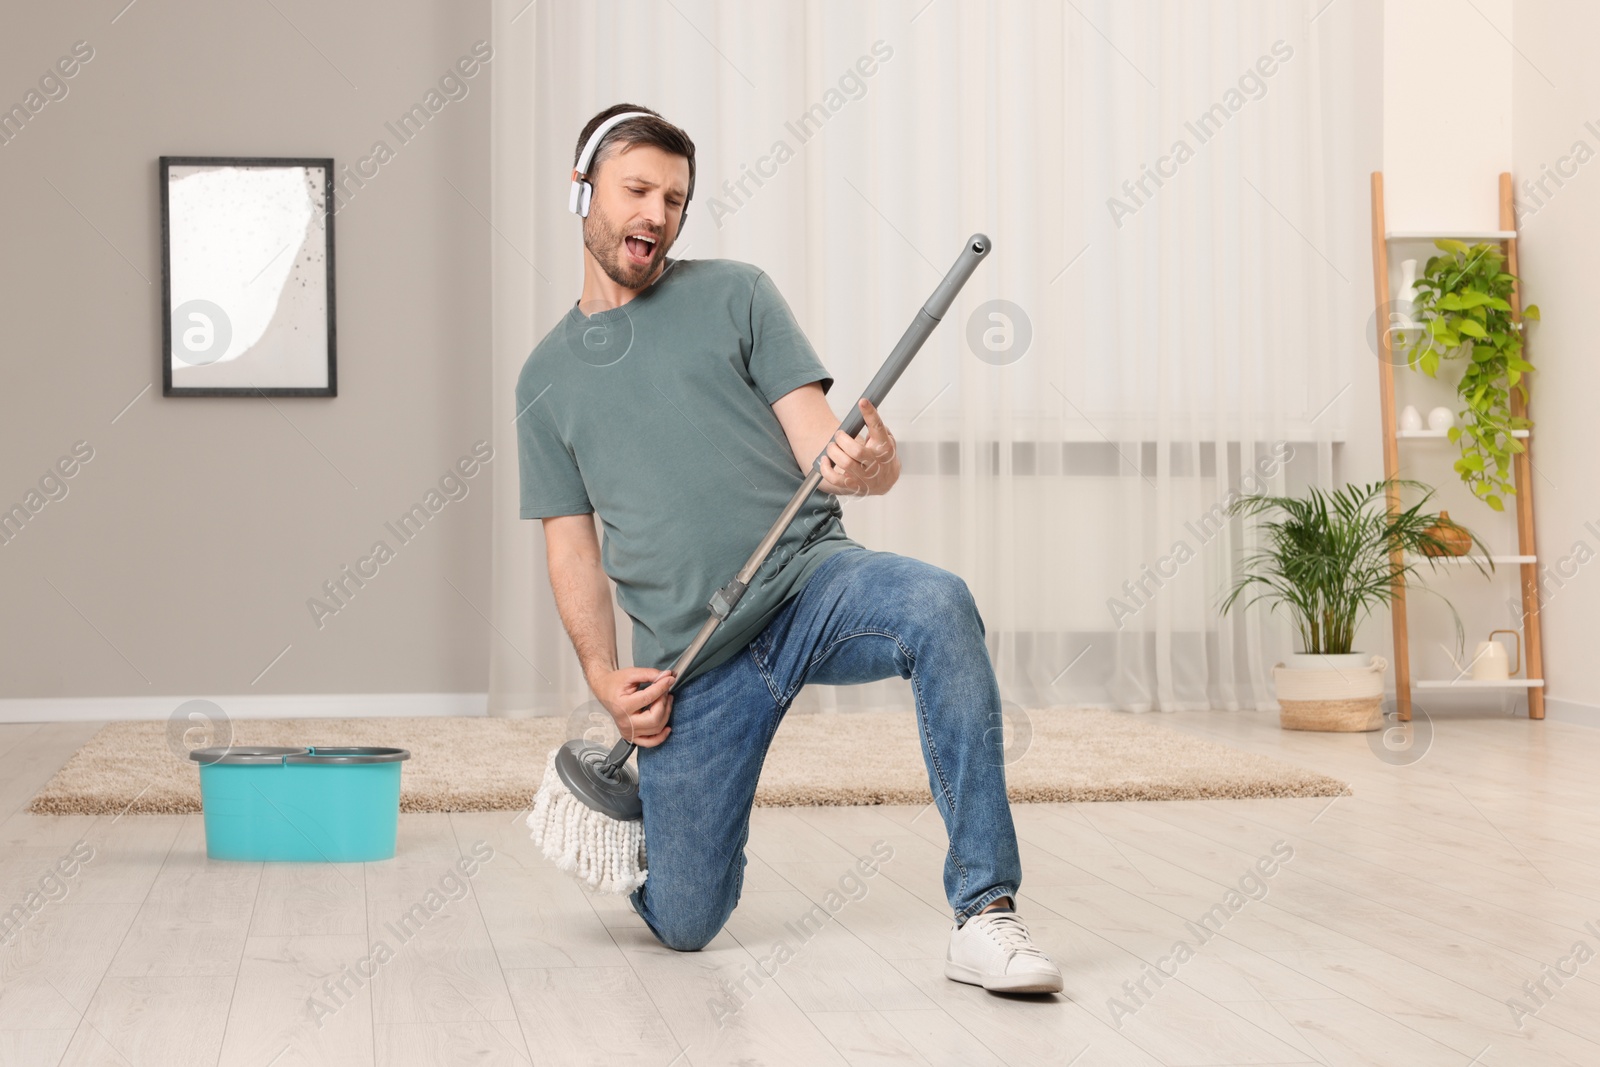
<point x="640" y="246"/>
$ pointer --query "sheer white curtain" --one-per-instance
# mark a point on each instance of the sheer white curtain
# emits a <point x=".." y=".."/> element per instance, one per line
<point x="1154" y="178"/>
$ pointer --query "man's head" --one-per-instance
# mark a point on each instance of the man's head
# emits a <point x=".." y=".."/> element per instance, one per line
<point x="643" y="179"/>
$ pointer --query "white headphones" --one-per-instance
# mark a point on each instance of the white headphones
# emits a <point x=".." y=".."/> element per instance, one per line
<point x="582" y="191"/>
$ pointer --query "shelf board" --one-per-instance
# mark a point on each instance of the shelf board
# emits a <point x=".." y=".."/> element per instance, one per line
<point x="1440" y="434"/>
<point x="1469" y="683"/>
<point x="1496" y="560"/>
<point x="1460" y="235"/>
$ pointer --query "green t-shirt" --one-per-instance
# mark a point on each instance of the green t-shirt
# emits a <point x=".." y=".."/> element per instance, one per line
<point x="658" y="416"/>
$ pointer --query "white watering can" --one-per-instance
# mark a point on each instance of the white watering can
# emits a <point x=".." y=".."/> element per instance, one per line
<point x="1490" y="663"/>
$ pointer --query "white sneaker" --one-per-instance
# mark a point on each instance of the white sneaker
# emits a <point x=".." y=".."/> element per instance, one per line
<point x="993" y="949"/>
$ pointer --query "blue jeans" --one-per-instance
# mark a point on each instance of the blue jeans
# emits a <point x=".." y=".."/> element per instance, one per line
<point x="862" y="616"/>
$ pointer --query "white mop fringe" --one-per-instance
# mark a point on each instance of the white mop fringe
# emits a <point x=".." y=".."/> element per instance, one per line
<point x="605" y="854"/>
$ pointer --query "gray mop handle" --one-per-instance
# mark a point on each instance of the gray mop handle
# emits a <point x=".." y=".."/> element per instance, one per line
<point x="724" y="600"/>
<point x="927" y="318"/>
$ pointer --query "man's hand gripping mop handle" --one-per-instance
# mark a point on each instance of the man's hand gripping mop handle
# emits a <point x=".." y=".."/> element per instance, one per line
<point x="725" y="599"/>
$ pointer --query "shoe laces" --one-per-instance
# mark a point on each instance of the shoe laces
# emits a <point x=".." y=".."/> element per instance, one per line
<point x="1011" y="932"/>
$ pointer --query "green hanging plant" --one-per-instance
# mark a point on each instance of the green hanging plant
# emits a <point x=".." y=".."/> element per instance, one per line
<point x="1463" y="312"/>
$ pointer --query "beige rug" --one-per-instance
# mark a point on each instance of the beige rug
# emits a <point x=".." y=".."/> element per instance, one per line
<point x="484" y="764"/>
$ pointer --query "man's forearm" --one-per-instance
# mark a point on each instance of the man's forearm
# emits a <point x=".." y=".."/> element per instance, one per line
<point x="583" y="597"/>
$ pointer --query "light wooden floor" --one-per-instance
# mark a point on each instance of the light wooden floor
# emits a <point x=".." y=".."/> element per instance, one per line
<point x="1408" y="915"/>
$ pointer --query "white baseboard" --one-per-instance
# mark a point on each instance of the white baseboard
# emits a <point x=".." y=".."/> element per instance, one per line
<point x="1572" y="711"/>
<point x="250" y="706"/>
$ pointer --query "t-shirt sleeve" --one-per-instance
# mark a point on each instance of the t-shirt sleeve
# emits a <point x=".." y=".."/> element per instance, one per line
<point x="781" y="358"/>
<point x="551" y="484"/>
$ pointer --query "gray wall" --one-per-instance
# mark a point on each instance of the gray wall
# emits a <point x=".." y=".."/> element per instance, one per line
<point x="182" y="556"/>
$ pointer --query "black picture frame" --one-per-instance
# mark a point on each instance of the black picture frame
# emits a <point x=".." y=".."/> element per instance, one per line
<point x="172" y="388"/>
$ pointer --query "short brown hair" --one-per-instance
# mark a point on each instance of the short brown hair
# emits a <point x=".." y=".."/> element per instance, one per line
<point x="650" y="129"/>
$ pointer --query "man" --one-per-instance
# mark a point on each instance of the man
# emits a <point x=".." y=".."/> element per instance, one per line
<point x="680" y="401"/>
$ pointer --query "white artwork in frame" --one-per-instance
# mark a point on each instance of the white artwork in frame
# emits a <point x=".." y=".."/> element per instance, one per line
<point x="247" y="277"/>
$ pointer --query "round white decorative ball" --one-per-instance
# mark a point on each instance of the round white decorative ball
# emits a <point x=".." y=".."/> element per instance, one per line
<point x="1441" y="419"/>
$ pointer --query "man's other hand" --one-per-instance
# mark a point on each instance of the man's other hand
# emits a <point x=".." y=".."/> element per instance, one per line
<point x="638" y="701"/>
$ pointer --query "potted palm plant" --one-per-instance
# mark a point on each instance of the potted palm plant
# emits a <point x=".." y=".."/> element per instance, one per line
<point x="1330" y="559"/>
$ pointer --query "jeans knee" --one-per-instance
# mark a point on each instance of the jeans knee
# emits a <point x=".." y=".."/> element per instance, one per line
<point x="687" y="919"/>
<point x="689" y="933"/>
<point x="944" y="594"/>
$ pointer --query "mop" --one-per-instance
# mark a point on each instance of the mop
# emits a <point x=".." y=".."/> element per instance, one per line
<point x="587" y="817"/>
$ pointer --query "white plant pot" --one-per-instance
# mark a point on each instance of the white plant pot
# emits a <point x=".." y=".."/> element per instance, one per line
<point x="1317" y="661"/>
<point x="1342" y="694"/>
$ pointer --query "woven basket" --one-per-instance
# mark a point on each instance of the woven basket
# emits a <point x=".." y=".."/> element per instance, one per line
<point x="1339" y="701"/>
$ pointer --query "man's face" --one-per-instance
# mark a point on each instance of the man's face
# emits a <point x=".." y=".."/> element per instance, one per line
<point x="633" y="216"/>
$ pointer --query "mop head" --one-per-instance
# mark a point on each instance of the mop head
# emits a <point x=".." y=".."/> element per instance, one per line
<point x="606" y="854"/>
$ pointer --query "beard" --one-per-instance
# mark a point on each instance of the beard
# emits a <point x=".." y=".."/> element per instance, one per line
<point x="605" y="242"/>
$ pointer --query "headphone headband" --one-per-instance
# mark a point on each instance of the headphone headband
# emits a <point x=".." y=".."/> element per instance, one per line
<point x="578" y="199"/>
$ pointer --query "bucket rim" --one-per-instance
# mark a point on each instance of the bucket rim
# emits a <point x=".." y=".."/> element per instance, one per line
<point x="245" y="754"/>
<point x="345" y="754"/>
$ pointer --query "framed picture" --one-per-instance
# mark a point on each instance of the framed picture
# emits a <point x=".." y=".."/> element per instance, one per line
<point x="247" y="277"/>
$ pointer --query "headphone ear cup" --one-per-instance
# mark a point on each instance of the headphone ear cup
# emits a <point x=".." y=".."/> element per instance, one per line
<point x="585" y="191"/>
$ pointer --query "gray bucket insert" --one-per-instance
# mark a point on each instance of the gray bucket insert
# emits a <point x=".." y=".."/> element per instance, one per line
<point x="321" y="754"/>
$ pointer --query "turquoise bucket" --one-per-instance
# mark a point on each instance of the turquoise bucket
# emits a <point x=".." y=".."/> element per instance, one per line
<point x="309" y="805"/>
